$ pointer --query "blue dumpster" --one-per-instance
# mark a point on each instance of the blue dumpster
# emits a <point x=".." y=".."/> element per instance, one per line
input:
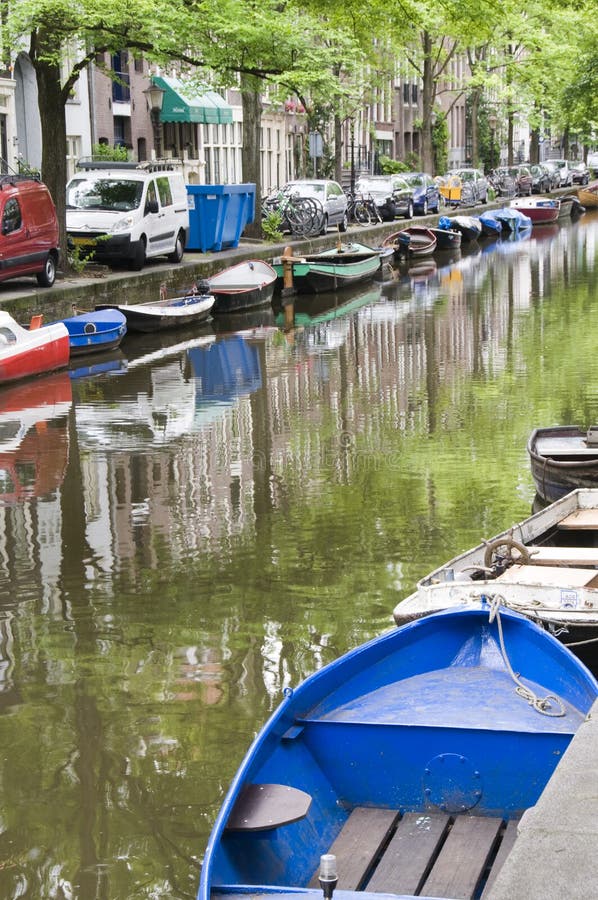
<point x="218" y="213"/>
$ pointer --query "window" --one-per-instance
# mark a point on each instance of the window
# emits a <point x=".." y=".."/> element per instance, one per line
<point x="151" y="195"/>
<point x="11" y="217"/>
<point x="164" y="190"/>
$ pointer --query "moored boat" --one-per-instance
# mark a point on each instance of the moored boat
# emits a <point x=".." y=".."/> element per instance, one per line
<point x="246" y="285"/>
<point x="414" y="241"/>
<point x="562" y="458"/>
<point x="588" y="195"/>
<point x="470" y="227"/>
<point x="342" y="266"/>
<point x="96" y="330"/>
<point x="570" y="207"/>
<point x="543" y="567"/>
<point x="190" y="309"/>
<point x="512" y="220"/>
<point x="446" y="238"/>
<point x="491" y="225"/>
<point x="540" y="210"/>
<point x="32" y="351"/>
<point x="374" y="771"/>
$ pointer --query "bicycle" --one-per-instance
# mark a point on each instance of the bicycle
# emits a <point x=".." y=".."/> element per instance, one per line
<point x="361" y="208"/>
<point x="302" y="216"/>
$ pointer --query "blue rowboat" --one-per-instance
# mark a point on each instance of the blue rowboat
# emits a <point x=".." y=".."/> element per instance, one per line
<point x="91" y="332"/>
<point x="432" y="737"/>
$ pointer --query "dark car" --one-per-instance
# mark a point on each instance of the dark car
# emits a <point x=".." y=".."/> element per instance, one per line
<point x="391" y="193"/>
<point x="580" y="173"/>
<point x="541" y="179"/>
<point x="522" y="178"/>
<point x="426" y="196"/>
<point x="555" y="174"/>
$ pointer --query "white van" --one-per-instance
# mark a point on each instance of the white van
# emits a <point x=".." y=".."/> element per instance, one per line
<point x="127" y="213"/>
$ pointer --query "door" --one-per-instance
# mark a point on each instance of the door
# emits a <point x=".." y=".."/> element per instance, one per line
<point x="18" y="254"/>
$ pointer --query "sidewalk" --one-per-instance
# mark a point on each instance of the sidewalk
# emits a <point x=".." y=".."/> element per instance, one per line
<point x="22" y="297"/>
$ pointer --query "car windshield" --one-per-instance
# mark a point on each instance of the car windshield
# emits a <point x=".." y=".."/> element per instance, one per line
<point x="466" y="176"/>
<point x="115" y="195"/>
<point x="415" y="180"/>
<point x="305" y="189"/>
<point x="374" y="184"/>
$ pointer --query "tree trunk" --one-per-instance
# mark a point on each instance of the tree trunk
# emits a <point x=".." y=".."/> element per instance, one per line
<point x="428" y="98"/>
<point x="51" y="102"/>
<point x="475" y="133"/>
<point x="251" y="152"/>
<point x="338" y="149"/>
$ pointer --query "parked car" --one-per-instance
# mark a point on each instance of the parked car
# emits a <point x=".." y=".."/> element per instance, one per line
<point x="592" y="162"/>
<point x="541" y="178"/>
<point x="426" y="196"/>
<point x="28" y="230"/>
<point x="555" y="173"/>
<point x="580" y="174"/>
<point x="523" y="180"/>
<point x="329" y="193"/>
<point x="391" y="193"/>
<point x="127" y="214"/>
<point x="566" y="174"/>
<point x="502" y="183"/>
<point x="474" y="185"/>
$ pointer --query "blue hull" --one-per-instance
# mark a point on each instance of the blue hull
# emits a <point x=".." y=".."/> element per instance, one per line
<point x="92" y="332"/>
<point x="424" y="719"/>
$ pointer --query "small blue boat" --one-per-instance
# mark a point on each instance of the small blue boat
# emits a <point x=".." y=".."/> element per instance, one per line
<point x="95" y="331"/>
<point x="378" y="770"/>
<point x="512" y="219"/>
<point x="491" y="224"/>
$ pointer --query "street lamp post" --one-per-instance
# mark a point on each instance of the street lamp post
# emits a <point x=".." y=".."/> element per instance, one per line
<point x="155" y="97"/>
<point x="352" y="126"/>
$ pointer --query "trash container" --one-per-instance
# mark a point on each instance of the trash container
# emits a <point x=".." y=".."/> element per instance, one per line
<point x="218" y="213"/>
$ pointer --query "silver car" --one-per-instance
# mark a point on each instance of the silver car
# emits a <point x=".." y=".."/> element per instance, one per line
<point x="474" y="186"/>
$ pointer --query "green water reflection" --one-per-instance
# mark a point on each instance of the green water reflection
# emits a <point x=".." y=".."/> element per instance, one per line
<point x="217" y="515"/>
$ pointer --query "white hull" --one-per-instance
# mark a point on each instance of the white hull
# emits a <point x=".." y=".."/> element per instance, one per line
<point x="558" y="587"/>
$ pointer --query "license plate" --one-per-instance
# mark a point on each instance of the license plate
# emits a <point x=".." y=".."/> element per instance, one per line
<point x="84" y="242"/>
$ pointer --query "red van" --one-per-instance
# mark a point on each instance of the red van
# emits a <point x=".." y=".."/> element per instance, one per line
<point x="28" y="230"/>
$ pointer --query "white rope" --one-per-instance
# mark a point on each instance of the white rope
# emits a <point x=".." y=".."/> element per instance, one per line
<point x="543" y="706"/>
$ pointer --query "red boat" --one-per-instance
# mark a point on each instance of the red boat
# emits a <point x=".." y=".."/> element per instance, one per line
<point x="32" y="351"/>
<point x="539" y="210"/>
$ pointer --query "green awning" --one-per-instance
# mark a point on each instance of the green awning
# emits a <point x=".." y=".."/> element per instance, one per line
<point x="183" y="103"/>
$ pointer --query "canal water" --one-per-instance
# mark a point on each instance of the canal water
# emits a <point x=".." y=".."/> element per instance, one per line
<point x="201" y="520"/>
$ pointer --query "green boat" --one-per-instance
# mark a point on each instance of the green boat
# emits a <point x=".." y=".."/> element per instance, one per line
<point x="342" y="266"/>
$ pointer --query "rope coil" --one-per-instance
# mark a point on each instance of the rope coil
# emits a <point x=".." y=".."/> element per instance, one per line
<point x="550" y="705"/>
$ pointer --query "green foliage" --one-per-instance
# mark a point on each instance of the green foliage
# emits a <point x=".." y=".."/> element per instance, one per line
<point x="114" y="154"/>
<point x="271" y="226"/>
<point x="24" y="168"/>
<point x="390" y="166"/>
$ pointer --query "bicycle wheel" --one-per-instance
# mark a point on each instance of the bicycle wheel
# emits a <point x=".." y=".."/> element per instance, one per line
<point x="300" y="216"/>
<point x="361" y="213"/>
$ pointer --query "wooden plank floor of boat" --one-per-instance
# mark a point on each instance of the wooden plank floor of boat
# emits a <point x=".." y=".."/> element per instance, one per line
<point x="427" y="854"/>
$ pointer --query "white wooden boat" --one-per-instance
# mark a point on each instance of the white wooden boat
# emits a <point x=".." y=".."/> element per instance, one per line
<point x="174" y="312"/>
<point x="545" y="567"/>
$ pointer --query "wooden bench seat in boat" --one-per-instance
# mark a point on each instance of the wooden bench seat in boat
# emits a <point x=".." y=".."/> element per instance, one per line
<point x="581" y="520"/>
<point x="429" y="853"/>
<point x="545" y="555"/>
<point x="263" y="806"/>
<point x="560" y="576"/>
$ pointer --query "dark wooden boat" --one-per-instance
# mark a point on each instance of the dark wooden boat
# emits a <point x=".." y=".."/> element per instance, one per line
<point x="469" y="226"/>
<point x="562" y="459"/>
<point x="415" y="241"/>
<point x="570" y="207"/>
<point x="176" y="312"/>
<point x="246" y="285"/>
<point x="446" y="238"/>
<point x="343" y="266"/>
<point x="403" y="767"/>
